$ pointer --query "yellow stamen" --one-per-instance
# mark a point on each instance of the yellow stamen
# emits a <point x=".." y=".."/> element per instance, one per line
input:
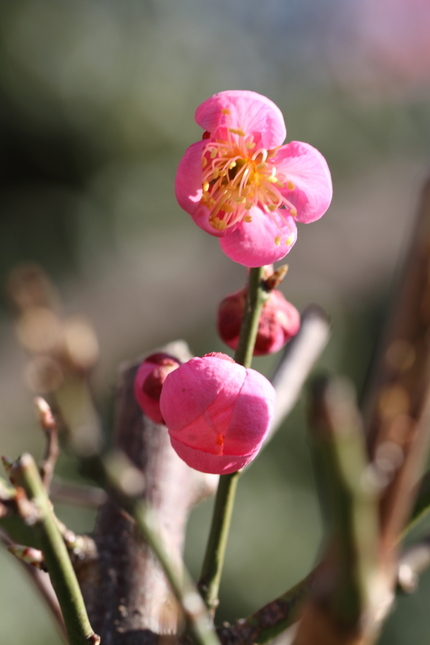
<point x="290" y="185"/>
<point x="238" y="131"/>
<point x="206" y="186"/>
<point x="232" y="165"/>
<point x="277" y="240"/>
<point x="225" y="111"/>
<point x="289" y="240"/>
<point x="247" y="218"/>
<point x="250" y="145"/>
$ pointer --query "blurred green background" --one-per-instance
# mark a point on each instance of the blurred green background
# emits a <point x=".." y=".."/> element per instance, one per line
<point x="96" y="108"/>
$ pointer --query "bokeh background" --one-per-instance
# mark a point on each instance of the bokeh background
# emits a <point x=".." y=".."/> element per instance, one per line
<point x="96" y="107"/>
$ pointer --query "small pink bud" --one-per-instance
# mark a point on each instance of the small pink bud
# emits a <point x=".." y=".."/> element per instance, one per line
<point x="217" y="413"/>
<point x="149" y="381"/>
<point x="279" y="322"/>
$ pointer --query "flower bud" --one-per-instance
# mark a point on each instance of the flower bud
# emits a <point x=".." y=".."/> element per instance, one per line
<point x="279" y="322"/>
<point x="149" y="381"/>
<point x="217" y="412"/>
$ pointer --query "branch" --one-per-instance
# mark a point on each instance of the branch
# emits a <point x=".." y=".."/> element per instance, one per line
<point x="297" y="360"/>
<point x="128" y="484"/>
<point x="137" y="604"/>
<point x="271" y="620"/>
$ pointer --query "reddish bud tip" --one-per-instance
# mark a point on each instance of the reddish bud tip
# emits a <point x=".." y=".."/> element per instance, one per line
<point x="149" y="380"/>
<point x="279" y="322"/>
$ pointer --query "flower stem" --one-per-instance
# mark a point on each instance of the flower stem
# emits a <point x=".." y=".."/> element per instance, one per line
<point x="57" y="559"/>
<point x="210" y="576"/>
<point x="255" y="299"/>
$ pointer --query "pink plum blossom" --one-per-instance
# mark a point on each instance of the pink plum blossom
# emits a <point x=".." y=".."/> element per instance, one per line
<point x="217" y="412"/>
<point x="149" y="380"/>
<point x="242" y="185"/>
<point x="279" y="322"/>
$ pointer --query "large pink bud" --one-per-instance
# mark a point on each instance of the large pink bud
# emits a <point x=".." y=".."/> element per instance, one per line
<point x="279" y="322"/>
<point x="149" y="381"/>
<point x="217" y="412"/>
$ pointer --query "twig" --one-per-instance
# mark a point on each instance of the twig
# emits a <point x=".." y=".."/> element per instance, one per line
<point x="271" y="620"/>
<point x="61" y="572"/>
<point x="213" y="561"/>
<point x="50" y="428"/>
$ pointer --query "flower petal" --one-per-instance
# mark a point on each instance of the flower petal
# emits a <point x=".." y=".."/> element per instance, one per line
<point x="303" y="165"/>
<point x="253" y="244"/>
<point x="188" y="181"/>
<point x="201" y="218"/>
<point x="247" y="111"/>
<point x="207" y="462"/>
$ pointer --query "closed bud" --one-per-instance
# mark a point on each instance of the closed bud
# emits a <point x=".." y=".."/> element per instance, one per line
<point x="279" y="322"/>
<point x="149" y="381"/>
<point x="217" y="413"/>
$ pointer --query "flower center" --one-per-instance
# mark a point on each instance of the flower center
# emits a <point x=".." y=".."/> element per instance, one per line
<point x="236" y="176"/>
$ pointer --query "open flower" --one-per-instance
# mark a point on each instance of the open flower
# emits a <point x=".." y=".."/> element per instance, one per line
<point x="242" y="185"/>
<point x="217" y="412"/>
<point x="279" y="322"/>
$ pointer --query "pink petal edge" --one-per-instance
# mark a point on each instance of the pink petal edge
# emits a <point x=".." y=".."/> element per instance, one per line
<point x="249" y="111"/>
<point x="253" y="243"/>
<point x="306" y="167"/>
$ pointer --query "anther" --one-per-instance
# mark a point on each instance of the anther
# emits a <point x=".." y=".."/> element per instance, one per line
<point x="241" y="133"/>
<point x="277" y="240"/>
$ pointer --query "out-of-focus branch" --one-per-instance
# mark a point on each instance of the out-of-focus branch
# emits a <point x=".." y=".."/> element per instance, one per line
<point x="347" y="598"/>
<point x="297" y="360"/>
<point x="77" y="494"/>
<point x="43" y="585"/>
<point x="398" y="407"/>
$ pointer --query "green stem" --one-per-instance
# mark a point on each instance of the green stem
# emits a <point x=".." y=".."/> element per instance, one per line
<point x="57" y="559"/>
<point x="213" y="561"/>
<point x="255" y="299"/>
